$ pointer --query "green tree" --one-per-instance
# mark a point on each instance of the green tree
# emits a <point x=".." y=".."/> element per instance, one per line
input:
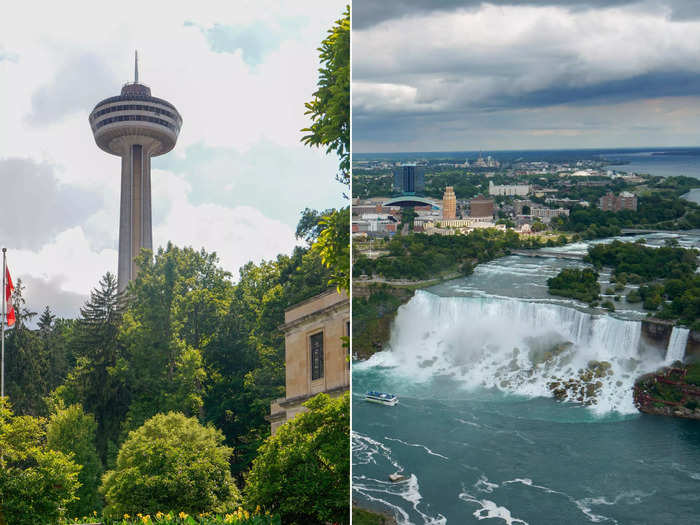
<point x="333" y="245"/>
<point x="176" y="306"/>
<point x="303" y="471"/>
<point x="25" y="360"/>
<point x="98" y="381"/>
<point x="36" y="483"/>
<point x="310" y="224"/>
<point x="72" y="432"/>
<point x="172" y="462"/>
<point x="330" y="107"/>
<point x="330" y="112"/>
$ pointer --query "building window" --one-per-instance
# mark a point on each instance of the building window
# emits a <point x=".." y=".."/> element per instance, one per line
<point x="316" y="342"/>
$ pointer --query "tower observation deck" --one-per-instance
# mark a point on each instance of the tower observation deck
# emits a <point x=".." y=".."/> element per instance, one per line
<point x="135" y="126"/>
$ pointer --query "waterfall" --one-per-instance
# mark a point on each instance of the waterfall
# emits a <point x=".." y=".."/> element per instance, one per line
<point x="521" y="347"/>
<point x="676" y="344"/>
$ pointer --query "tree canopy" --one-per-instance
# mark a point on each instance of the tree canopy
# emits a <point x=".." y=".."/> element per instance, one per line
<point x="303" y="471"/>
<point x="172" y="462"/>
<point x="330" y="107"/>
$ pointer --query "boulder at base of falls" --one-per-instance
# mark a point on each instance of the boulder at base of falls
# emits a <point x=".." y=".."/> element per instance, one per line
<point x="583" y="388"/>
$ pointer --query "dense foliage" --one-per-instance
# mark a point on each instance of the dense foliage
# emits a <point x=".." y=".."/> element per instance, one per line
<point x="240" y="517"/>
<point x="581" y="284"/>
<point x="670" y="288"/>
<point x="303" y="471"/>
<point x="171" y="462"/>
<point x="36" y="483"/>
<point x="183" y="338"/>
<point x="645" y="261"/>
<point x="656" y="211"/>
<point x="330" y="108"/>
<point x="420" y="256"/>
<point x="72" y="431"/>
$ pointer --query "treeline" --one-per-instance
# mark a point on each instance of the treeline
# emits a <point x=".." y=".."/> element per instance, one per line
<point x="419" y="256"/>
<point x="580" y="284"/>
<point x="670" y="286"/>
<point x="637" y="260"/>
<point x="655" y="211"/>
<point x="184" y="338"/>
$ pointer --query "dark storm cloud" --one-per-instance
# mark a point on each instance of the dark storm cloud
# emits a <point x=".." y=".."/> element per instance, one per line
<point x="54" y="207"/>
<point x="42" y="292"/>
<point x="367" y="13"/>
<point x="79" y="82"/>
<point x="503" y="68"/>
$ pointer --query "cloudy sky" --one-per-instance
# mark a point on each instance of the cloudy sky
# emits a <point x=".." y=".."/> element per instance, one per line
<point x="467" y="75"/>
<point x="238" y="72"/>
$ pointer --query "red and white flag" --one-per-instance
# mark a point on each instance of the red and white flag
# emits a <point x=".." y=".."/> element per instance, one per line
<point x="9" y="287"/>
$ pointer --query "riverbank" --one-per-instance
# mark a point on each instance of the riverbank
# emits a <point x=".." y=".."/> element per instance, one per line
<point x="362" y="516"/>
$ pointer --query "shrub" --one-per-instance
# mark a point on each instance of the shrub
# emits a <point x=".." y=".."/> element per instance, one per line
<point x="608" y="305"/>
<point x="303" y="471"/>
<point x="171" y="462"/>
<point x="36" y="483"/>
<point x="72" y="431"/>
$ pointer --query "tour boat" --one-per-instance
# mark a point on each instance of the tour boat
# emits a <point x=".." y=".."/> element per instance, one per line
<point x="397" y="478"/>
<point x="382" y="398"/>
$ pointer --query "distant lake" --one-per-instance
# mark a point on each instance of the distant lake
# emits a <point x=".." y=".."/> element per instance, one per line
<point x="664" y="162"/>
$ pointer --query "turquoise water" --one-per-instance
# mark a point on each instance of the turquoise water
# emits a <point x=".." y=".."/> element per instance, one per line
<point x="480" y="436"/>
<point x="477" y="455"/>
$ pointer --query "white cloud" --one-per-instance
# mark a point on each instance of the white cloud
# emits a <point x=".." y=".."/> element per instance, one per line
<point x="237" y="235"/>
<point x="67" y="59"/>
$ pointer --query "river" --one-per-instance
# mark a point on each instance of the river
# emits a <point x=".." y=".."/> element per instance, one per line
<point x="477" y="430"/>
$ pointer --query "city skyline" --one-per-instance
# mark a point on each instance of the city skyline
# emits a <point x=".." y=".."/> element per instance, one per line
<point x="536" y="75"/>
<point x="239" y="176"/>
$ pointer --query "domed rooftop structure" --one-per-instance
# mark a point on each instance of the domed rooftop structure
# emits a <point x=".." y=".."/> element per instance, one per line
<point x="116" y="121"/>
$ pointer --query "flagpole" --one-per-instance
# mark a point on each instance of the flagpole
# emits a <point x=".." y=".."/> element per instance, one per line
<point x="2" y="321"/>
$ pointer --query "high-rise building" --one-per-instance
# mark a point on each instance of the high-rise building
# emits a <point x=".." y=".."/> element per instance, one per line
<point x="409" y="179"/>
<point x="481" y="207"/>
<point x="449" y="204"/>
<point x="135" y="126"/>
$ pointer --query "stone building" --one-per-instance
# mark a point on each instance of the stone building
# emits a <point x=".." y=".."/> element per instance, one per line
<point x="449" y="204"/>
<point x="315" y="359"/>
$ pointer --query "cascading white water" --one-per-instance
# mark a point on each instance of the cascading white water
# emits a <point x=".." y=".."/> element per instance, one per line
<point x="519" y="347"/>
<point x="676" y="344"/>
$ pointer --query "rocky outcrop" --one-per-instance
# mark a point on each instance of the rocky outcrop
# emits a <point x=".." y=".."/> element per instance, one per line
<point x="656" y="333"/>
<point x="374" y="309"/>
<point x="692" y="351"/>
<point x="585" y="387"/>
<point x="671" y="391"/>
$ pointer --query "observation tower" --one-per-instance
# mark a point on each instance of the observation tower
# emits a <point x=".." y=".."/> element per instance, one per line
<point x="135" y="126"/>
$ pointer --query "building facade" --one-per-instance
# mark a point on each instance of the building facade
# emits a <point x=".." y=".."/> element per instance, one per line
<point x="481" y="207"/>
<point x="615" y="203"/>
<point x="449" y="204"/>
<point x="409" y="179"/>
<point x="546" y="214"/>
<point x="316" y="359"/>
<point x="519" y="190"/>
